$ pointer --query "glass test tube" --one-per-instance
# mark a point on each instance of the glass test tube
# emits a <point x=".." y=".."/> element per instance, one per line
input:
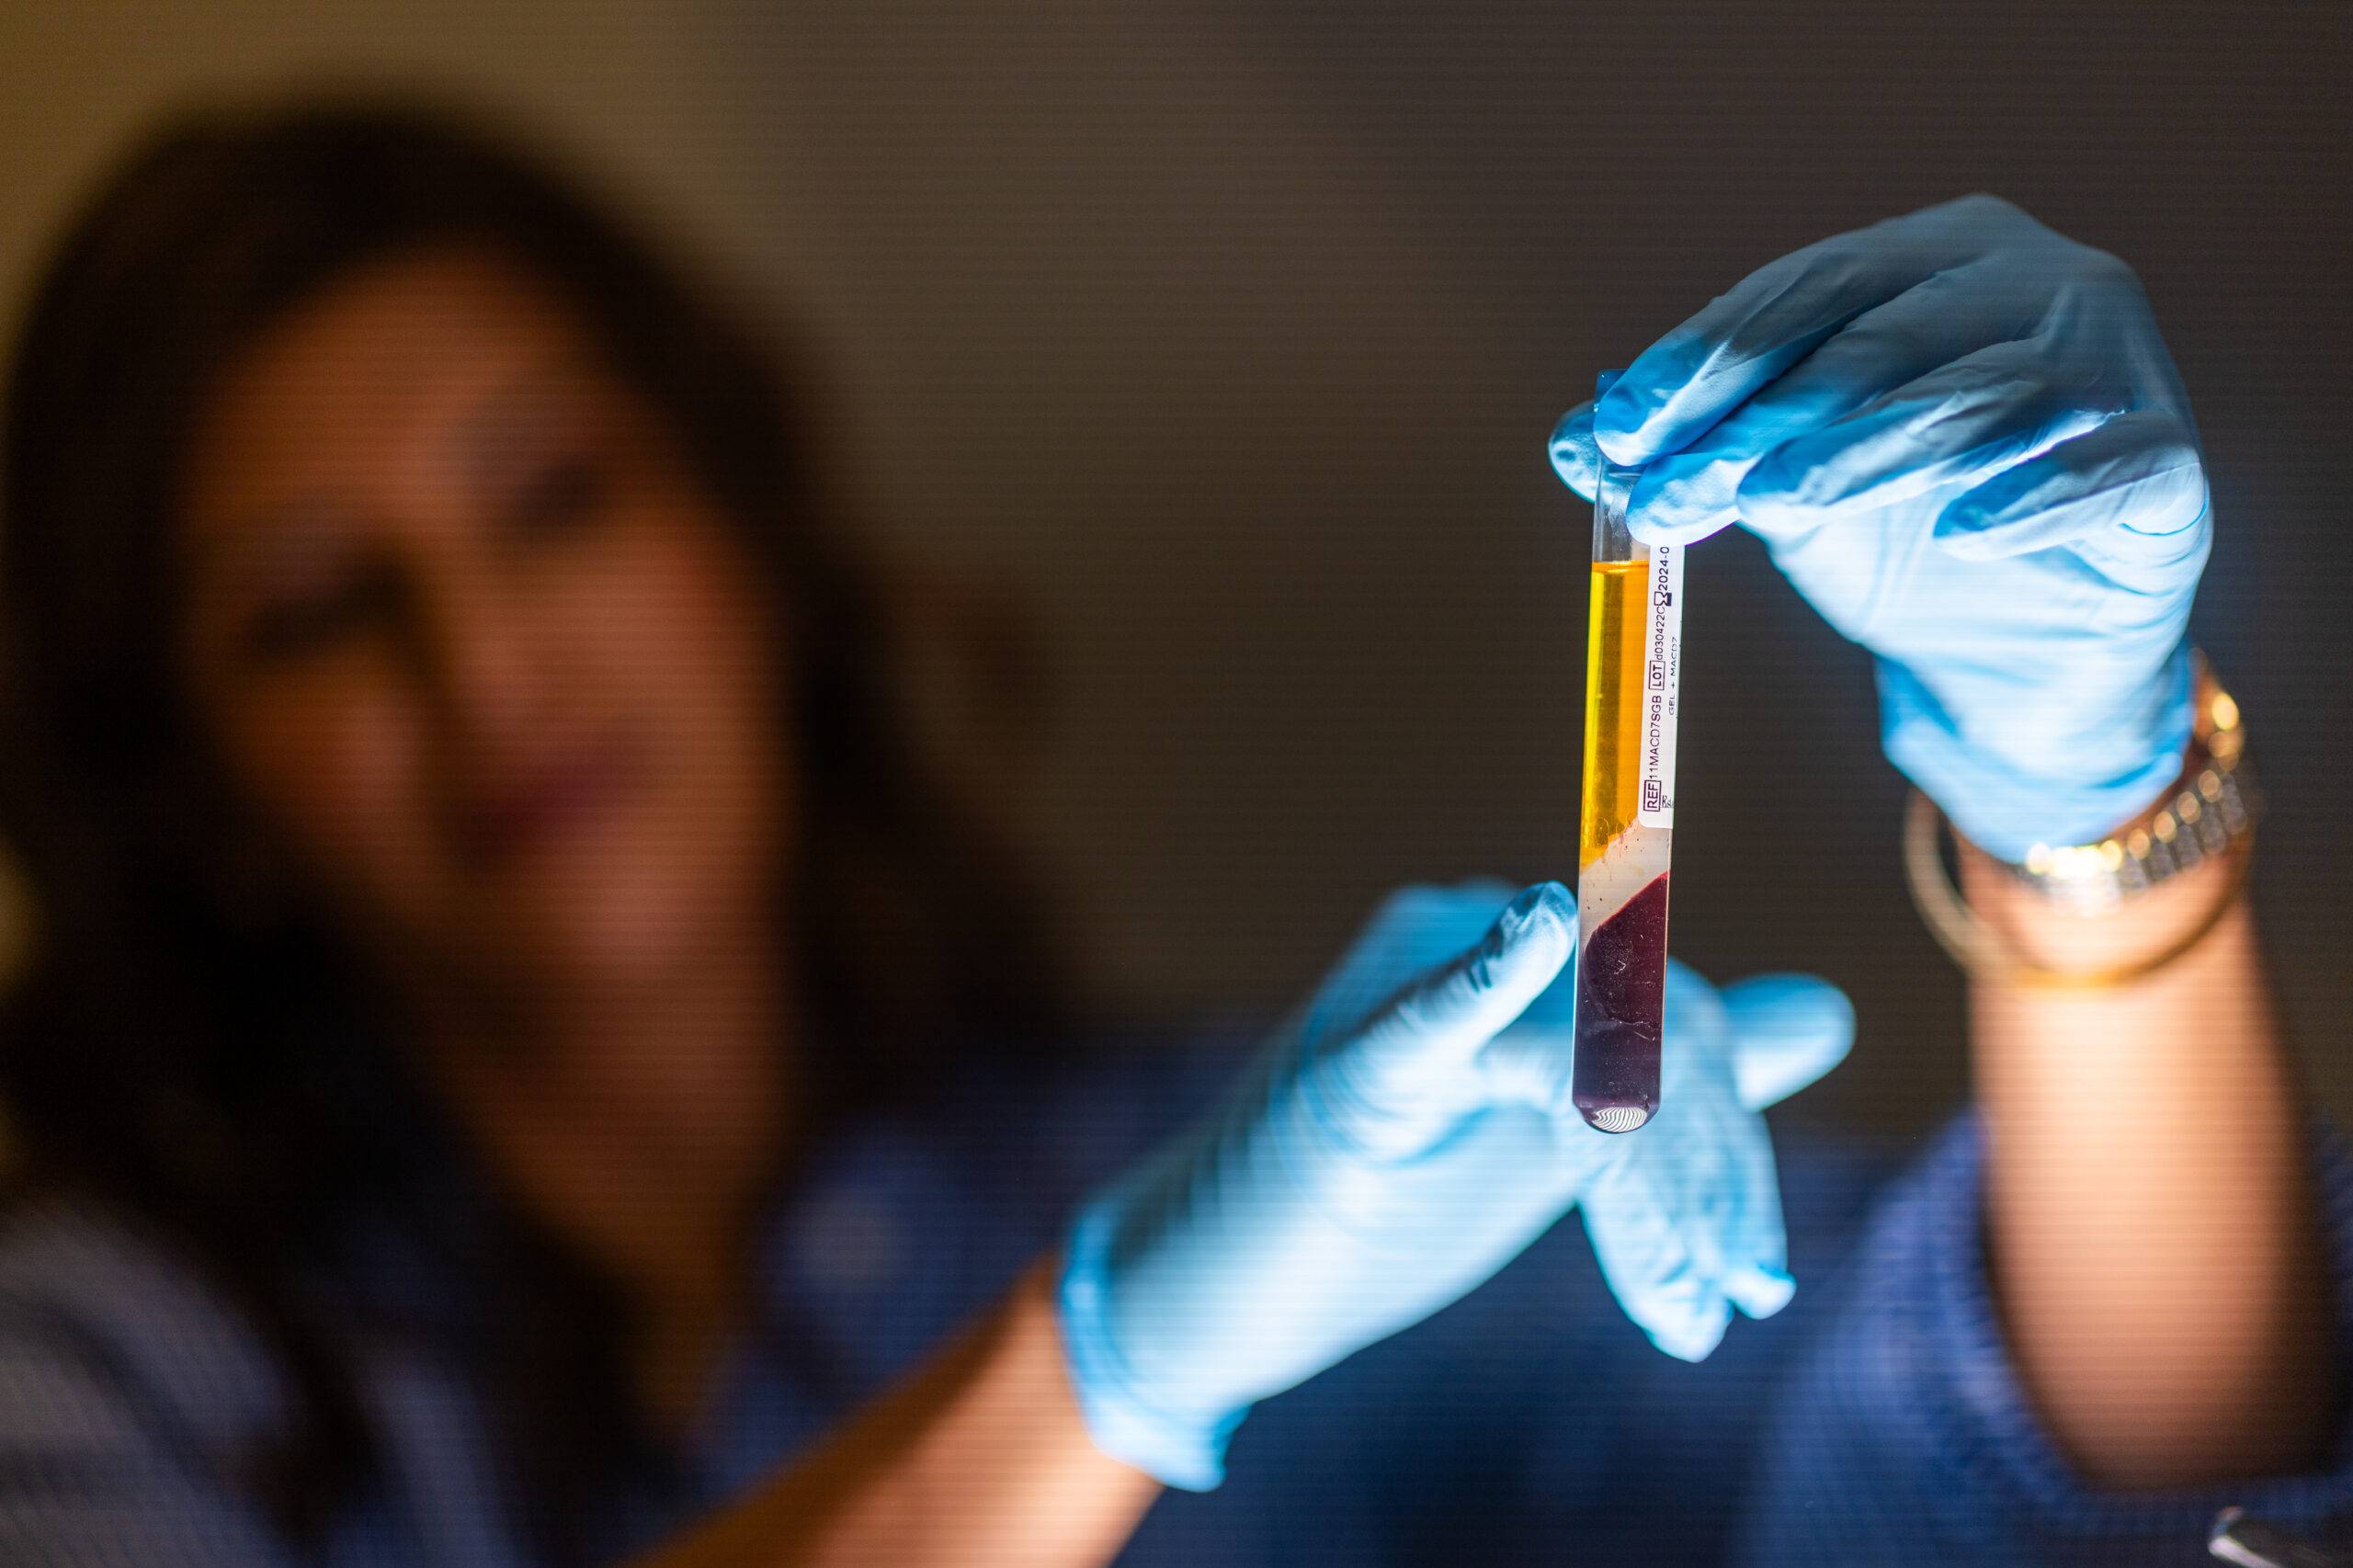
<point x="1634" y="658"/>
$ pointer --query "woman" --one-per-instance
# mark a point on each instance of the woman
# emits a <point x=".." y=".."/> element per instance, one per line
<point x="519" y="1065"/>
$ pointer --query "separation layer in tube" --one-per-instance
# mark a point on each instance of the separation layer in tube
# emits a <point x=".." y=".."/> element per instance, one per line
<point x="1626" y="829"/>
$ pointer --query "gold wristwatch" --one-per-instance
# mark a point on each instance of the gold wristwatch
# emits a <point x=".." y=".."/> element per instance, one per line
<point x="2212" y="805"/>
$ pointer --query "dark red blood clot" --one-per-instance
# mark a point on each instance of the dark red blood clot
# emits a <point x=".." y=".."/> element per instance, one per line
<point x="1621" y="1011"/>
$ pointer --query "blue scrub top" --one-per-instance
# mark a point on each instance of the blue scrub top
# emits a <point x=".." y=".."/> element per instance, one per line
<point x="1876" y="1421"/>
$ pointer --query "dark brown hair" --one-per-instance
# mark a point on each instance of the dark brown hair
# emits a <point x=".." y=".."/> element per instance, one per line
<point x="220" y="1072"/>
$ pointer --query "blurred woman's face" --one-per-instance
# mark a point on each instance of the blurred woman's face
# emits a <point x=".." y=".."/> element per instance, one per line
<point x="471" y="642"/>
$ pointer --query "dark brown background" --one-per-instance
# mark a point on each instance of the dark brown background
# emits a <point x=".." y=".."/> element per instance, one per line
<point x="1228" y="335"/>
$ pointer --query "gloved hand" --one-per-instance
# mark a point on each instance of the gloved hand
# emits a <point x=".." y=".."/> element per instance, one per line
<point x="1403" y="1137"/>
<point x="1962" y="437"/>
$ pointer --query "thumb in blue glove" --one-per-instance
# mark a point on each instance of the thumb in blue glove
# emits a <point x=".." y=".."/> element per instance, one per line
<point x="1407" y="1134"/>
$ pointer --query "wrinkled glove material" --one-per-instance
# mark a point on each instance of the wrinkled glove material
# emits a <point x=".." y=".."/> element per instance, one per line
<point x="1962" y="437"/>
<point x="1404" y="1136"/>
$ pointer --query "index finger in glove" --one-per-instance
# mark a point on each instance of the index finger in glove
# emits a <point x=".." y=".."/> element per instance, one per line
<point x="1444" y="1015"/>
<point x="1694" y="375"/>
<point x="1961" y="423"/>
<point x="1688" y="495"/>
<point x="1574" y="457"/>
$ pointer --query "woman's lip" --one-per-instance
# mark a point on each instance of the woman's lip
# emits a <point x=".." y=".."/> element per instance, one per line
<point x="543" y="800"/>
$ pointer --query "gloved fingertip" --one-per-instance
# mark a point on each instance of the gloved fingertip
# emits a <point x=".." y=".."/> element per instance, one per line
<point x="1681" y="497"/>
<point x="1626" y="445"/>
<point x="1539" y="912"/>
<point x="1574" y="457"/>
<point x="1692" y="1334"/>
<point x="1647" y="526"/>
<point x="1525" y="949"/>
<point x="1759" y="1290"/>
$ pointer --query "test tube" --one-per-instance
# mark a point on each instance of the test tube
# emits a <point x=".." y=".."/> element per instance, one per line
<point x="1626" y="829"/>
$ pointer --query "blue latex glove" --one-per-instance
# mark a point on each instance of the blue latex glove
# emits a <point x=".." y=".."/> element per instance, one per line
<point x="1962" y="439"/>
<point x="1403" y="1137"/>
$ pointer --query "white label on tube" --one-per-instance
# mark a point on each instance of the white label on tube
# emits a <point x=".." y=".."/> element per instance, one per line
<point x="1662" y="674"/>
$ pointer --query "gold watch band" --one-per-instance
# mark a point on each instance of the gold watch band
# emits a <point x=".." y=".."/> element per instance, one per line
<point x="2210" y="807"/>
<point x="1981" y="950"/>
<point x="2208" y="814"/>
